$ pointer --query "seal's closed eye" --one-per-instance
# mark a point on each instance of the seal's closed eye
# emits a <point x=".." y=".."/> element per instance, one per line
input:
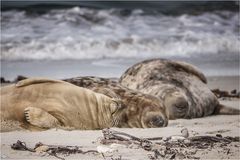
<point x="113" y="107"/>
<point x="116" y="105"/>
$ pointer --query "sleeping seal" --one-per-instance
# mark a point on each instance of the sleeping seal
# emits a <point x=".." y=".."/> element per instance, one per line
<point x="180" y="86"/>
<point x="143" y="111"/>
<point x="44" y="103"/>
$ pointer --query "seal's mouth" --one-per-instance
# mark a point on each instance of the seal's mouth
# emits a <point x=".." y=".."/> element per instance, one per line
<point x="154" y="120"/>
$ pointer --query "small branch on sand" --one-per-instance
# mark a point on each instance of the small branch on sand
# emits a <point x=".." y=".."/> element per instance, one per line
<point x="121" y="136"/>
<point x="2" y="80"/>
<point x="221" y="93"/>
<point x="52" y="150"/>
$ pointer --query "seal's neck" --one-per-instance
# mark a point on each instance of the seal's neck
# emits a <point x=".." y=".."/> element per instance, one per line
<point x="103" y="114"/>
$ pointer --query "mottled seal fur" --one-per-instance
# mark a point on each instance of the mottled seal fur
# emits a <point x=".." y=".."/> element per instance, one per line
<point x="180" y="86"/>
<point x="143" y="111"/>
<point x="44" y="103"/>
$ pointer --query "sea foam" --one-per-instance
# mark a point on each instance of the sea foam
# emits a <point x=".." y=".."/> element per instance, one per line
<point x="82" y="33"/>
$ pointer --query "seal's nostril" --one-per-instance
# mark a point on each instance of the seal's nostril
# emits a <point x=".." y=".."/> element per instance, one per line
<point x="157" y="121"/>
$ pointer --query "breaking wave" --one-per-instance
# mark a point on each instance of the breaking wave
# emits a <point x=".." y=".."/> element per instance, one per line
<point x="84" y="33"/>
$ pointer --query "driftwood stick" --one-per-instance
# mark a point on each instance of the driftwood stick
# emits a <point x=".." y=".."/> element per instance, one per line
<point x="209" y="139"/>
<point x="111" y="141"/>
<point x="111" y="134"/>
<point x="52" y="150"/>
<point x="221" y="93"/>
<point x="154" y="138"/>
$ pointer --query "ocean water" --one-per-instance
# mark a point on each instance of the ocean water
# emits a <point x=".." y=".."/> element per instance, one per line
<point x="76" y="41"/>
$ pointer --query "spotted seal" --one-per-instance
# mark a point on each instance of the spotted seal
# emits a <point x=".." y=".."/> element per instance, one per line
<point x="180" y="86"/>
<point x="143" y="111"/>
<point x="44" y="103"/>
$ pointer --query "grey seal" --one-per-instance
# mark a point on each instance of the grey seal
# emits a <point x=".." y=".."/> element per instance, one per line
<point x="45" y="103"/>
<point x="143" y="110"/>
<point x="180" y="86"/>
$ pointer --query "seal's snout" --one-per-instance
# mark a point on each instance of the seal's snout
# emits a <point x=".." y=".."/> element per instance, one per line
<point x="157" y="121"/>
<point x="154" y="120"/>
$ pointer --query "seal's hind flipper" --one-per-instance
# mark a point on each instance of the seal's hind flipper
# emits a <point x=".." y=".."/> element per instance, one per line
<point x="224" y="110"/>
<point x="31" y="81"/>
<point x="40" y="118"/>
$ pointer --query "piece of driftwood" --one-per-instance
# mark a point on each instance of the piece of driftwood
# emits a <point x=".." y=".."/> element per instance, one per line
<point x="121" y="136"/>
<point x="4" y="81"/>
<point x="221" y="93"/>
<point x="52" y="150"/>
<point x="19" y="78"/>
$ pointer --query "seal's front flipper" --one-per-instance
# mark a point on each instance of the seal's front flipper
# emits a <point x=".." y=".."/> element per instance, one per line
<point x="40" y="118"/>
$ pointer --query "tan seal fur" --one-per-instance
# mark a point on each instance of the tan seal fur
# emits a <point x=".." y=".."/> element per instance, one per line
<point x="143" y="111"/>
<point x="180" y="86"/>
<point x="44" y="103"/>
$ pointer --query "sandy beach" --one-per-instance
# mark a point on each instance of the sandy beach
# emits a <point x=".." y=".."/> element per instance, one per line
<point x="220" y="124"/>
<point x="60" y="40"/>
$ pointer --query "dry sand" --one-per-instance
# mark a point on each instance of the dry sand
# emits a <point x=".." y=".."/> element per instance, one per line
<point x="212" y="125"/>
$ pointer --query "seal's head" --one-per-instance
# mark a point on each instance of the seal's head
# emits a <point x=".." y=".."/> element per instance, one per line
<point x="176" y="105"/>
<point x="149" y="113"/>
<point x="110" y="112"/>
